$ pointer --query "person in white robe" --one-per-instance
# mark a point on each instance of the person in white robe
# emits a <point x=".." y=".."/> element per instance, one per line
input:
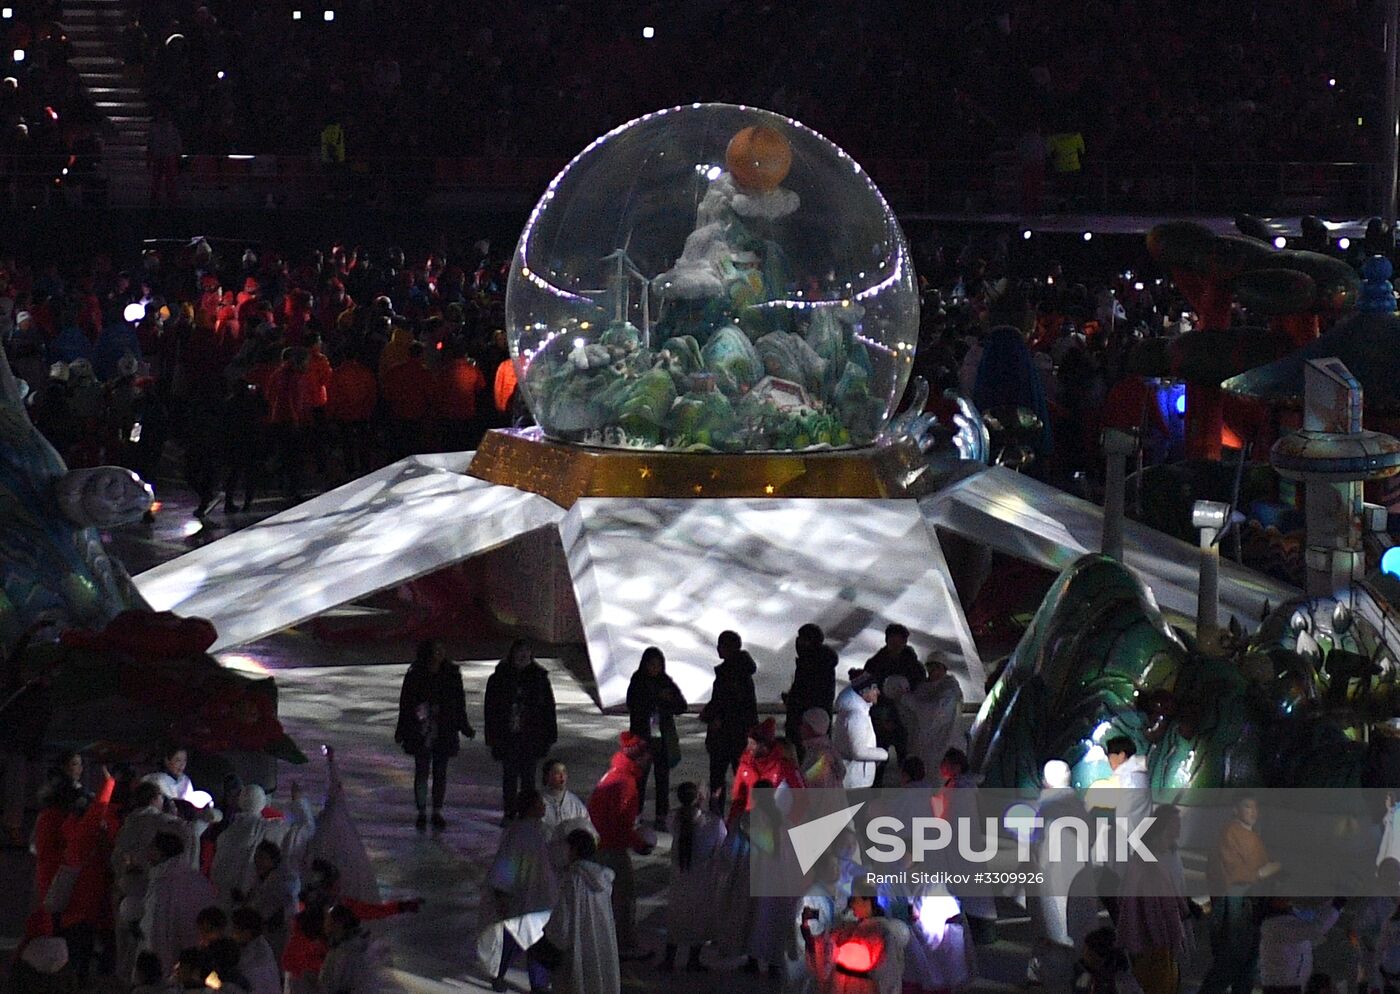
<point x="930" y="713"/>
<point x="729" y="888"/>
<point x="194" y="806"/>
<point x="256" y="960"/>
<point x="822" y="765"/>
<point x="962" y="783"/>
<point x="523" y="887"/>
<point x="564" y="810"/>
<point x="175" y="894"/>
<point x="131" y="854"/>
<point x="697" y="837"/>
<point x="817" y="910"/>
<point x="273" y="894"/>
<point x="1131" y="794"/>
<point x="1370" y="916"/>
<point x="940" y="953"/>
<point x="232" y="872"/>
<point x="581" y="926"/>
<point x="337" y="841"/>
<point x="770" y="916"/>
<point x="863" y="953"/>
<point x="1060" y="921"/>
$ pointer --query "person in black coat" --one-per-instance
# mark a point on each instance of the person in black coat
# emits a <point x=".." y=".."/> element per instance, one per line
<point x="813" y="680"/>
<point x="653" y="701"/>
<point x="432" y="713"/>
<point x="731" y="712"/>
<point x="895" y="658"/>
<point x="520" y="720"/>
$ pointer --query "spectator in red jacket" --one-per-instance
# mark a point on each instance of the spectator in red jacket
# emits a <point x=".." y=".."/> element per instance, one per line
<point x="73" y="838"/>
<point x="765" y="759"/>
<point x="318" y="371"/>
<point x="296" y="317"/>
<point x="614" y="806"/>
<point x="459" y="383"/>
<point x="408" y="390"/>
<point x="351" y="396"/>
<point x="289" y="395"/>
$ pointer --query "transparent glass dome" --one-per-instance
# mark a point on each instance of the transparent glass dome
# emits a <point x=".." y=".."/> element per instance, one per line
<point x="712" y="278"/>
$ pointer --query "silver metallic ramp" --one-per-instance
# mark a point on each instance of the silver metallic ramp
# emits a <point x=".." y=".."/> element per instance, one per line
<point x="404" y="521"/>
<point x="1022" y="517"/>
<point x="675" y="573"/>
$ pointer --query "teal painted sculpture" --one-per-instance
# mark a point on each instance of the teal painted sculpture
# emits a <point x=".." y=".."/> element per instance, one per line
<point x="52" y="561"/>
<point x="121" y="678"/>
<point x="1096" y="643"/>
<point x="1306" y="701"/>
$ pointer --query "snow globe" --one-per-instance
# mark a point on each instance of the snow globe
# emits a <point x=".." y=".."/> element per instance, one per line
<point x="712" y="278"/>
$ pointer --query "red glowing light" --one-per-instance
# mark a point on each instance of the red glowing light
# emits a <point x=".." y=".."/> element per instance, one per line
<point x="53" y="114"/>
<point x="855" y="956"/>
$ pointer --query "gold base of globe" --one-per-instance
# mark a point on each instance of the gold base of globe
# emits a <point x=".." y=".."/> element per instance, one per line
<point x="527" y="460"/>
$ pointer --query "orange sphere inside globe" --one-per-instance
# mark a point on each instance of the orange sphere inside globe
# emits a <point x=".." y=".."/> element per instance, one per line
<point x="758" y="157"/>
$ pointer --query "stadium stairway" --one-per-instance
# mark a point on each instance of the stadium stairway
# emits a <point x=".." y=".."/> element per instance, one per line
<point x="94" y="28"/>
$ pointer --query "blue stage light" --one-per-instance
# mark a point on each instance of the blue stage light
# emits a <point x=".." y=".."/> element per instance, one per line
<point x="1390" y="561"/>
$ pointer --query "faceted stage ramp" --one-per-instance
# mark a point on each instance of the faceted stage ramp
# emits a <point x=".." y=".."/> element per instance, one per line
<point x="1018" y="516"/>
<point x="672" y="572"/>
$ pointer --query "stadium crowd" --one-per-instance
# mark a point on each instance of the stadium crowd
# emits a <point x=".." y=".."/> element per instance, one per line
<point x="49" y="121"/>
<point x="1136" y="79"/>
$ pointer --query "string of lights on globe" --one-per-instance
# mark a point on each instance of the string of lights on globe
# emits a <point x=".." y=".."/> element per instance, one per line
<point x="661" y="300"/>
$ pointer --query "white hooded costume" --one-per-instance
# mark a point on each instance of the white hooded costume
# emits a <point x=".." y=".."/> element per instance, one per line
<point x="1063" y="908"/>
<point x="854" y="739"/>
<point x="940" y="954"/>
<point x="1132" y="799"/>
<point x="690" y="902"/>
<point x="581" y="926"/>
<point x="175" y="894"/>
<point x="523" y="878"/>
<point x="335" y="839"/>
<point x="929" y="714"/>
<point x="1057" y="917"/>
<point x="886" y="939"/>
<point x="232" y="869"/>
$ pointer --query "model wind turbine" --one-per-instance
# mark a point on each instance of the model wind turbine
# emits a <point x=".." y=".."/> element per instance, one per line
<point x="622" y="289"/>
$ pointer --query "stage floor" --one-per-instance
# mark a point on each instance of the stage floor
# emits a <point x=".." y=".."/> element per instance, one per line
<point x="346" y="697"/>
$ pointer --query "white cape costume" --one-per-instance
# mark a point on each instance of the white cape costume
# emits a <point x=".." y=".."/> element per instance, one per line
<point x="524" y="872"/>
<point x="582" y="927"/>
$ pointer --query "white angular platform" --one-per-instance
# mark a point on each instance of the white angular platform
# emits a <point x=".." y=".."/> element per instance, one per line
<point x="394" y="525"/>
<point x="1022" y="517"/>
<point x="675" y="573"/>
